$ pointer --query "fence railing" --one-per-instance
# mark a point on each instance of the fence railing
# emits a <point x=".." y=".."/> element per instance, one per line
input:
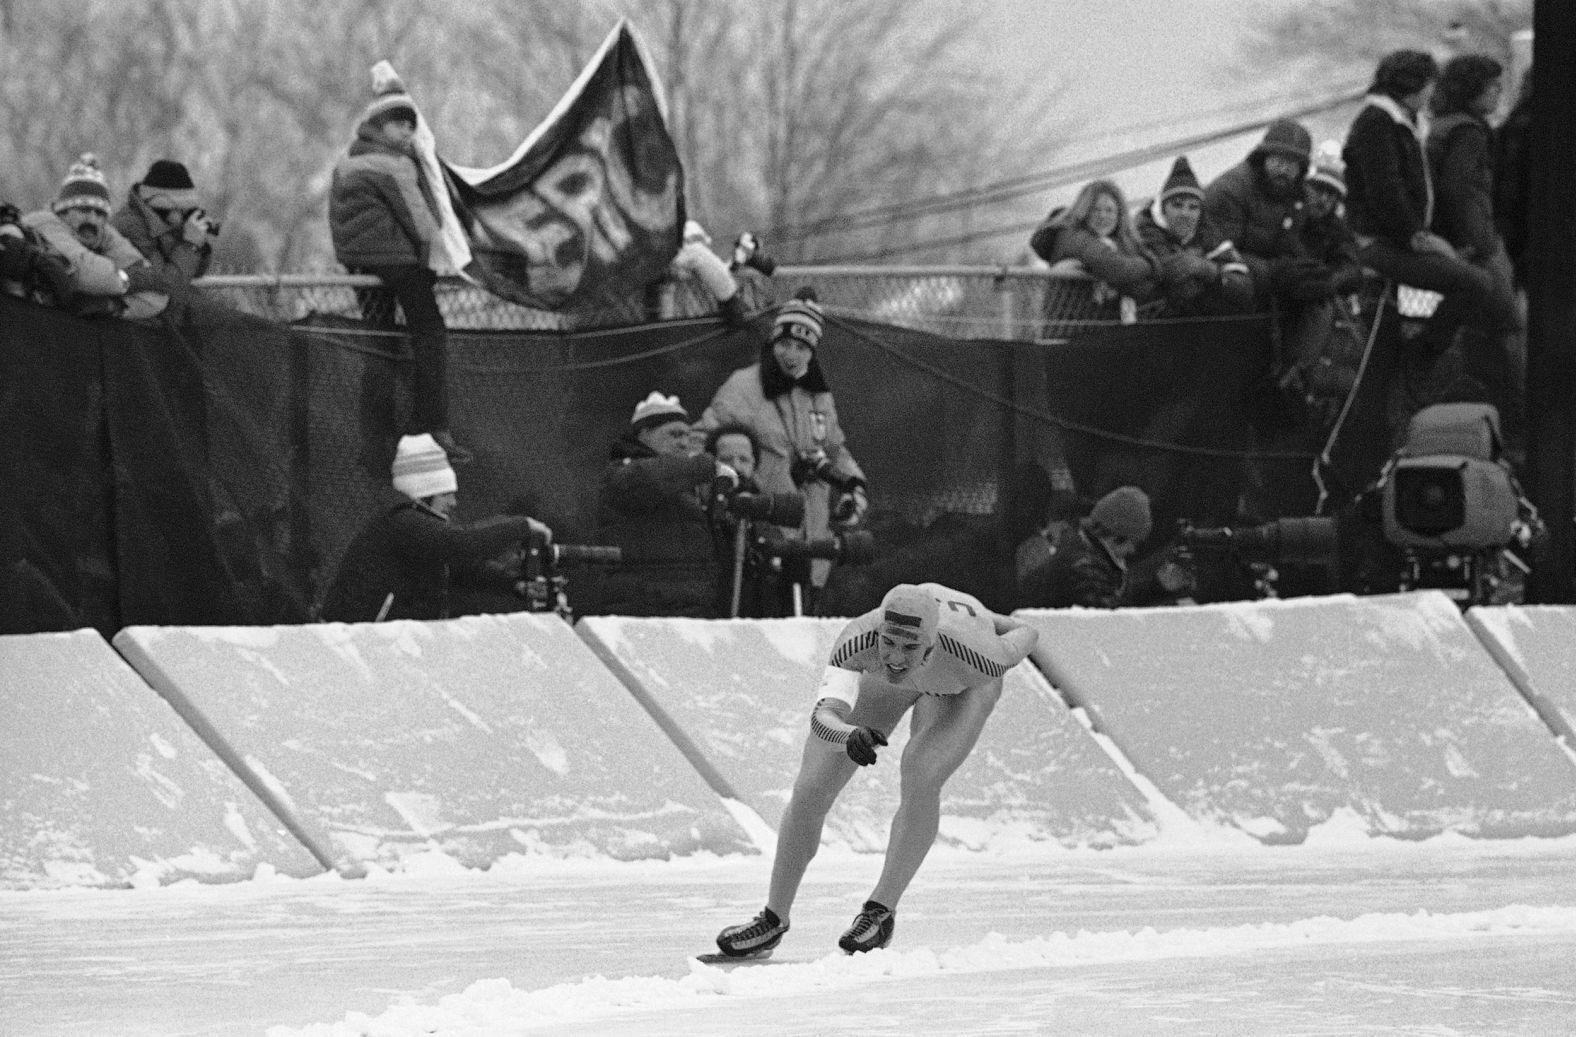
<point x="958" y="302"/>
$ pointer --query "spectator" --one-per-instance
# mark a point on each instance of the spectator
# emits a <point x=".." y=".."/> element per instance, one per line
<point x="653" y="506"/>
<point x="27" y="270"/>
<point x="1460" y="154"/>
<point x="404" y="563"/>
<point x="696" y="261"/>
<point x="1513" y="179"/>
<point x="1089" y="564"/>
<point x="164" y="220"/>
<point x="101" y="272"/>
<point x="1325" y="373"/>
<point x="1390" y="201"/>
<point x="752" y="557"/>
<point x="752" y="268"/>
<point x="384" y="220"/>
<point x="1200" y="271"/>
<point x="1255" y="204"/>
<point x="785" y="400"/>
<point x="1095" y="236"/>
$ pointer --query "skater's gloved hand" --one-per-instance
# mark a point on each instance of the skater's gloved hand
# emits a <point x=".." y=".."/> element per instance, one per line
<point x="862" y="745"/>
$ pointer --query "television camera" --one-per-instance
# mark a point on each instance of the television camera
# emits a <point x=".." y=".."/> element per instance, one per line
<point x="1446" y="512"/>
<point x="542" y="584"/>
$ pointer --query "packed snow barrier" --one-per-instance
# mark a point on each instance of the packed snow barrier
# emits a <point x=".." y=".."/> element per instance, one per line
<point x="1533" y="644"/>
<point x="736" y="696"/>
<point x="1274" y="717"/>
<point x="101" y="784"/>
<point x="470" y="738"/>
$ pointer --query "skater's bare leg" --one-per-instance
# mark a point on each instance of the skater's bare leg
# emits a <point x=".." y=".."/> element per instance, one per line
<point x="945" y="730"/>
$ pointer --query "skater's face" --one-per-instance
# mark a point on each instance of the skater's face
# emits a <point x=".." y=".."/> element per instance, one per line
<point x="902" y="652"/>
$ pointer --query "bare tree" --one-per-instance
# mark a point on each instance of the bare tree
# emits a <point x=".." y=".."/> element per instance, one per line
<point x="1324" y="32"/>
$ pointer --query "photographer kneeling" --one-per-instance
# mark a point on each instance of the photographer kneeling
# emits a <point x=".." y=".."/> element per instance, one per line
<point x="402" y="564"/>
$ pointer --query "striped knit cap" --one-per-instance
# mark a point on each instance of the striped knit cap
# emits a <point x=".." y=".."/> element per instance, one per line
<point x="84" y="187"/>
<point x="800" y="320"/>
<point x="910" y="609"/>
<point x="421" y="468"/>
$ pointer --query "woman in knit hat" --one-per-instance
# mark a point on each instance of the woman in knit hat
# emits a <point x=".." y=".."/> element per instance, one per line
<point x="1200" y="272"/>
<point x="785" y="400"/>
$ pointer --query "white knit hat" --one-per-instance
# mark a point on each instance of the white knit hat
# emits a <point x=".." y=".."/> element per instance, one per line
<point x="391" y="96"/>
<point x="84" y="187"/>
<point x="421" y="468"/>
<point x="656" y="409"/>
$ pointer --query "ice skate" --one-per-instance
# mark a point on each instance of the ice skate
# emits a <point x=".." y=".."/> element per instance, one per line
<point x="754" y="939"/>
<point x="872" y="929"/>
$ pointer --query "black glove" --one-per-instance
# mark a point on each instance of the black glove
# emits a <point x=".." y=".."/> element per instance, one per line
<point x="862" y="745"/>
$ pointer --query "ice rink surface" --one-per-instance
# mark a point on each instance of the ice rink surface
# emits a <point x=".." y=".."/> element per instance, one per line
<point x="1337" y="938"/>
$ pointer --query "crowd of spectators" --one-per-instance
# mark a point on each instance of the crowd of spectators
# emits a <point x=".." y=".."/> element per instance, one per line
<point x="1287" y="231"/>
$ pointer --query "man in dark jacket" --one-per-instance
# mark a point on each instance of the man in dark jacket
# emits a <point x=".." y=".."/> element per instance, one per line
<point x="1390" y="205"/>
<point x="1089" y="565"/>
<point x="1255" y="205"/>
<point x="1200" y="271"/>
<point x="403" y="563"/>
<point x="164" y="220"/>
<point x="653" y="506"/>
<point x="384" y="219"/>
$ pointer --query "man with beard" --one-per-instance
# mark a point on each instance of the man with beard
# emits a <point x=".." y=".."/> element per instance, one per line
<point x="1255" y="205"/>
<point x="103" y="273"/>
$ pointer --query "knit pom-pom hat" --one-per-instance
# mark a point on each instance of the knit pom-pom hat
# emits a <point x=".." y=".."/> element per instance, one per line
<point x="392" y="100"/>
<point x="1181" y="181"/>
<point x="83" y="187"/>
<point x="421" y="468"/>
<point x="655" y="411"/>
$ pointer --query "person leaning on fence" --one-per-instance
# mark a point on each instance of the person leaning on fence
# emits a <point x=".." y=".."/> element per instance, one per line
<point x="1460" y="154"/>
<point x="404" y="563"/>
<point x="100" y="273"/>
<point x="1324" y="370"/>
<point x="1255" y="205"/>
<point x="163" y="218"/>
<point x="384" y="220"/>
<point x="1201" y="274"/>
<point x="1094" y="236"/>
<point x="652" y="506"/>
<point x="785" y="400"/>
<point x="1090" y="564"/>
<point x="1390" y="201"/>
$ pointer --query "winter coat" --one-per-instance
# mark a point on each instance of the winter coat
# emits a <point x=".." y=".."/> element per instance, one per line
<point x="1083" y="572"/>
<point x="94" y="274"/>
<point x="414" y="554"/>
<point x="1122" y="273"/>
<point x="1460" y="156"/>
<point x="1203" y="276"/>
<point x="381" y="210"/>
<point x="1259" y="225"/>
<point x="1331" y="242"/>
<point x="789" y="420"/>
<point x="177" y="260"/>
<point x="1389" y="192"/>
<point x="654" y="508"/>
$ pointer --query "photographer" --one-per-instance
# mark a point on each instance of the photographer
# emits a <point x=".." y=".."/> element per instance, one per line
<point x="404" y="562"/>
<point x="1092" y="567"/>
<point x="164" y="221"/>
<point x="653" y="506"/>
<point x="785" y="401"/>
<point x="753" y="580"/>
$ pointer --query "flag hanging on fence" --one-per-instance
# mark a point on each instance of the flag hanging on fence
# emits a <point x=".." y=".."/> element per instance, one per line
<point x="591" y="204"/>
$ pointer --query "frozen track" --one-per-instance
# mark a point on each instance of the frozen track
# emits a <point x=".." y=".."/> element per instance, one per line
<point x="1435" y="939"/>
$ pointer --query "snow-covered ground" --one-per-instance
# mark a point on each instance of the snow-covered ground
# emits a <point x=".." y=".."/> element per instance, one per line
<point x="1344" y="935"/>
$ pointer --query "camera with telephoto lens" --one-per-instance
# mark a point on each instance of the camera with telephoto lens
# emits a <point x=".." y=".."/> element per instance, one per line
<point x="780" y="509"/>
<point x="213" y="225"/>
<point x="810" y="465"/>
<point x="10" y="215"/>
<point x="542" y="583"/>
<point x="853" y="547"/>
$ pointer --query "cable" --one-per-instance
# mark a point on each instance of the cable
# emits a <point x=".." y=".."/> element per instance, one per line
<point x="1033" y="182"/>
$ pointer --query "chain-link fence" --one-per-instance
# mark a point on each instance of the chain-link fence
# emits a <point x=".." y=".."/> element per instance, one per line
<point x="1015" y="304"/>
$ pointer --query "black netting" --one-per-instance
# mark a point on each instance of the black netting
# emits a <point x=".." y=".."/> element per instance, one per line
<point x="216" y="472"/>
